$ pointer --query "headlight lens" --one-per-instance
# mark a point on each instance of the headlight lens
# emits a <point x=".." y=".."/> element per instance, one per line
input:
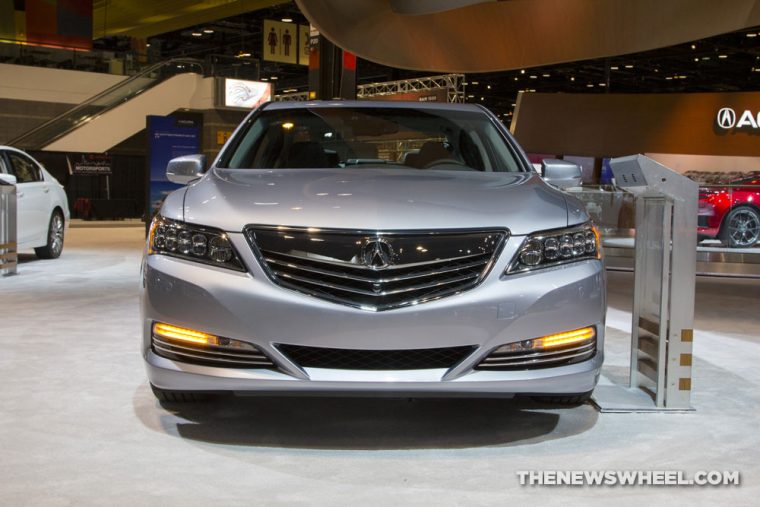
<point x="551" y="248"/>
<point x="192" y="242"/>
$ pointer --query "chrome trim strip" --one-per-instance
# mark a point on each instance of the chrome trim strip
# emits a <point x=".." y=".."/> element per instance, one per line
<point x="253" y="354"/>
<point x="508" y="356"/>
<point x="211" y="359"/>
<point x="533" y="362"/>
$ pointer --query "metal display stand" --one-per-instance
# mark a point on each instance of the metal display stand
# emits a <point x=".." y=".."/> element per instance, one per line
<point x="664" y="277"/>
<point x="8" y="246"/>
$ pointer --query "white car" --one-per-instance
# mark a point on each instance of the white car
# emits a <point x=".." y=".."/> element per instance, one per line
<point x="42" y="207"/>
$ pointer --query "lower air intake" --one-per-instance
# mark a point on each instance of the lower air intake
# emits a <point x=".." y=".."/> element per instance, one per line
<point x="351" y="359"/>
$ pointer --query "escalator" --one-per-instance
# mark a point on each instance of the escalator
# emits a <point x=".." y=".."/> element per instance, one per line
<point x="70" y="132"/>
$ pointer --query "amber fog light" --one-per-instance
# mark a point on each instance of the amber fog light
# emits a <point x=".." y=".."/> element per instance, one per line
<point x="552" y="341"/>
<point x="185" y="335"/>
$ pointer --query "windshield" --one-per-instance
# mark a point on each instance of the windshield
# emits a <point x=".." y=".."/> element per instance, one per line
<point x="341" y="137"/>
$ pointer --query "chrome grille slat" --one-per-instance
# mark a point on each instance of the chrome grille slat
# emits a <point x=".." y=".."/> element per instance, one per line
<point x="360" y="267"/>
<point x="372" y="293"/>
<point x="358" y="278"/>
<point x="341" y="266"/>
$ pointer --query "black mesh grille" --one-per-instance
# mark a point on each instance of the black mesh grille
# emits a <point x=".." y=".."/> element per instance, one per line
<point x="351" y="359"/>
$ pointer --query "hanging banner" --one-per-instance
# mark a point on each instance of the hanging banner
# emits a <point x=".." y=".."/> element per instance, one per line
<point x="89" y="164"/>
<point x="280" y="42"/>
<point x="168" y="137"/>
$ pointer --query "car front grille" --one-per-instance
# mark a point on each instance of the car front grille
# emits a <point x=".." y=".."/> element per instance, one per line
<point x="209" y="355"/>
<point x="375" y="270"/>
<point x="532" y="360"/>
<point x="353" y="359"/>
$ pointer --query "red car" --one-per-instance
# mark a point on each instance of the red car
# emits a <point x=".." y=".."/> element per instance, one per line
<point x="731" y="213"/>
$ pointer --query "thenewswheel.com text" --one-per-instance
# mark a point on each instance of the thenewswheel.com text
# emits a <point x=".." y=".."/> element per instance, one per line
<point x="627" y="478"/>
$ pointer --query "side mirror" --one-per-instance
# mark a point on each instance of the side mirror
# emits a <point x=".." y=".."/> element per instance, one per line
<point x="7" y="179"/>
<point x="561" y="173"/>
<point x="185" y="169"/>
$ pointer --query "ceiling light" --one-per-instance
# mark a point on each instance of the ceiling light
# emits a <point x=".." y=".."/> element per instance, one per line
<point x="516" y="78"/>
<point x="532" y="90"/>
<point x="264" y="79"/>
<point x="534" y="76"/>
<point x="475" y="82"/>
<point x="489" y="87"/>
<point x="522" y="71"/>
<point x="722" y="56"/>
<point x="629" y="66"/>
<point x="208" y="30"/>
<point x="572" y="78"/>
<point x="751" y="35"/>
<point x="590" y="85"/>
<point x="602" y="84"/>
<point x="696" y="59"/>
<point x="545" y="75"/>
<point x="681" y="77"/>
<point x="669" y="78"/>
<point x="287" y="20"/>
<point x="693" y="46"/>
<point x="614" y="67"/>
<point x="273" y="78"/>
<point x="705" y="57"/>
<point x="482" y="98"/>
<point x="197" y="34"/>
<point x="147" y="45"/>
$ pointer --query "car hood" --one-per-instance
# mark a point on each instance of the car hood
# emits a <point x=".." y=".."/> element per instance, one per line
<point x="374" y="199"/>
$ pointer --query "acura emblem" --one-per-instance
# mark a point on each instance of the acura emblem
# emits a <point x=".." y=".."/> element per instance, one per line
<point x="726" y="118"/>
<point x="377" y="254"/>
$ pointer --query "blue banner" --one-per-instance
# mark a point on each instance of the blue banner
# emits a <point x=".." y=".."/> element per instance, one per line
<point x="168" y="137"/>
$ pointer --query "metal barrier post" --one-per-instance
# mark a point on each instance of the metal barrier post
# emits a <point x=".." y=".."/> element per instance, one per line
<point x="664" y="277"/>
<point x="8" y="247"/>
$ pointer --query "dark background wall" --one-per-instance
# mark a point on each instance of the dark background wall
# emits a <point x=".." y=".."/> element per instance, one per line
<point x="609" y="125"/>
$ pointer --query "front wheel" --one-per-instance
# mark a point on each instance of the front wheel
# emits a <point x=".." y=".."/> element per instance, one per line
<point x="741" y="228"/>
<point x="54" y="246"/>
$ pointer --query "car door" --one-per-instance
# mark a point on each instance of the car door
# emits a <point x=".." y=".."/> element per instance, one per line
<point x="33" y="196"/>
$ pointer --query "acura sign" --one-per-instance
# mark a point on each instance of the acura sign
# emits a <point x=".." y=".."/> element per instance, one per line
<point x="727" y="119"/>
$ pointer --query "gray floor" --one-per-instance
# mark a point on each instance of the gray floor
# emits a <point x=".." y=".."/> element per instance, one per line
<point x="78" y="425"/>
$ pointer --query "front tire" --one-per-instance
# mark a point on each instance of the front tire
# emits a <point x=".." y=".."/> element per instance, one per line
<point x="54" y="246"/>
<point x="741" y="228"/>
<point x="167" y="396"/>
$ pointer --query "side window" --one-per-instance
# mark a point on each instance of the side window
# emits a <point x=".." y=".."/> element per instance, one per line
<point x="3" y="166"/>
<point x="24" y="168"/>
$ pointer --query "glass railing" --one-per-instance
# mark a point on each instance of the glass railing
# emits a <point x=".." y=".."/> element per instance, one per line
<point x="728" y="226"/>
<point x="48" y="132"/>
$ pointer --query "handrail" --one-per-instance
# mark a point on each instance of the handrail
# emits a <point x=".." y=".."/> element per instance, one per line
<point x="55" y="128"/>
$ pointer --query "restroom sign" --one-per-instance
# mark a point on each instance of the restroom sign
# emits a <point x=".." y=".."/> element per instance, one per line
<point x="280" y="42"/>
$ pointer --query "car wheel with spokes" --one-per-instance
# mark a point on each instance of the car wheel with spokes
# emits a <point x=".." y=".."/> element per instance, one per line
<point x="741" y="228"/>
<point x="54" y="246"/>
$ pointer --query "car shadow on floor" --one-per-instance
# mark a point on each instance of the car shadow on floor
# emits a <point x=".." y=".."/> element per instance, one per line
<point x="364" y="423"/>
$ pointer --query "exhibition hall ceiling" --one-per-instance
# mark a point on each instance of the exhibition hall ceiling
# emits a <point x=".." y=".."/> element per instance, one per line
<point x="487" y="35"/>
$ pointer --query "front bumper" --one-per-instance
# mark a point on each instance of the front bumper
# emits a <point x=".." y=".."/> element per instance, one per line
<point x="249" y="307"/>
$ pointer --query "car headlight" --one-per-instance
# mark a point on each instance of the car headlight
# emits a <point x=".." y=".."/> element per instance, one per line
<point x="192" y="242"/>
<point x="551" y="248"/>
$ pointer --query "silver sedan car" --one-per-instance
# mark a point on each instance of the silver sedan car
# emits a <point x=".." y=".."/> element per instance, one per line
<point x="372" y="248"/>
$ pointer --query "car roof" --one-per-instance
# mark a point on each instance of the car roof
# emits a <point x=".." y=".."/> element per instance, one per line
<point x="391" y="104"/>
